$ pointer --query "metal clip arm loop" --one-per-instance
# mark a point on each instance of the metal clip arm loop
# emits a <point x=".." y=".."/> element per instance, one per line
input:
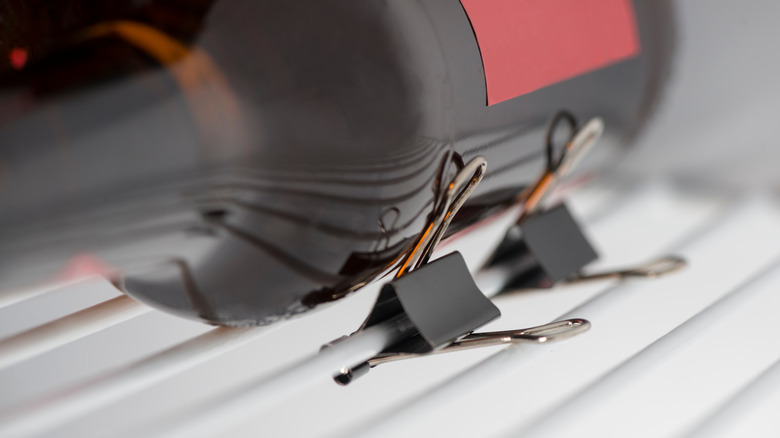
<point x="554" y="331"/>
<point x="455" y="195"/>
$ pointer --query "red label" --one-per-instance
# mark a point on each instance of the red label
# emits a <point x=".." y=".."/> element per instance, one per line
<point x="530" y="44"/>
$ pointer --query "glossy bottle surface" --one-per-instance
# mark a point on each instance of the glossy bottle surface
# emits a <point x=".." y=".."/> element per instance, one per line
<point x="241" y="161"/>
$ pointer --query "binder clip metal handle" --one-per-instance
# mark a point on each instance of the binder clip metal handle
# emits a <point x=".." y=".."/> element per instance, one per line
<point x="453" y="197"/>
<point x="657" y="268"/>
<point x="580" y="142"/>
<point x="554" y="331"/>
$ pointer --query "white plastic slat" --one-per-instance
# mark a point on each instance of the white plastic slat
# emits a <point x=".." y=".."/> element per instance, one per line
<point x="96" y="393"/>
<point x="210" y="418"/>
<point x="13" y="296"/>
<point x="750" y="413"/>
<point x="67" y="329"/>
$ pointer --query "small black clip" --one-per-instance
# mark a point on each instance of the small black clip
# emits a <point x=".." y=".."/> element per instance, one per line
<point x="546" y="245"/>
<point x="541" y="250"/>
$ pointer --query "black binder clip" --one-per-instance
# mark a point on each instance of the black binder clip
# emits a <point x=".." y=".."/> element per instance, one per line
<point x="546" y="245"/>
<point x="548" y="248"/>
<point x="542" y="250"/>
<point x="437" y="305"/>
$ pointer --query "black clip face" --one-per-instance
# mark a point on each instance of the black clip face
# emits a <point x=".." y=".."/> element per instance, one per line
<point x="543" y="249"/>
<point x="440" y="301"/>
<point x="434" y="305"/>
<point x="557" y="241"/>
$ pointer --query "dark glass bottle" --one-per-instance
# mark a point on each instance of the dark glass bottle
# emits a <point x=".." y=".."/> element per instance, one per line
<point x="240" y="161"/>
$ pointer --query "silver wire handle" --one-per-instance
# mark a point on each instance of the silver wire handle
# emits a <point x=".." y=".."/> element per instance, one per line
<point x="655" y="269"/>
<point x="554" y="331"/>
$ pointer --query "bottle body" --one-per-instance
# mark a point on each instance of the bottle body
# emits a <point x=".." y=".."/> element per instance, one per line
<point x="240" y="162"/>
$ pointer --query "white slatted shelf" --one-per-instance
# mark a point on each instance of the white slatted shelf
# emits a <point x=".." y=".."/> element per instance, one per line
<point x="525" y="383"/>
<point x="692" y="369"/>
<point x="189" y="376"/>
<point x="113" y="346"/>
<point x="399" y="382"/>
